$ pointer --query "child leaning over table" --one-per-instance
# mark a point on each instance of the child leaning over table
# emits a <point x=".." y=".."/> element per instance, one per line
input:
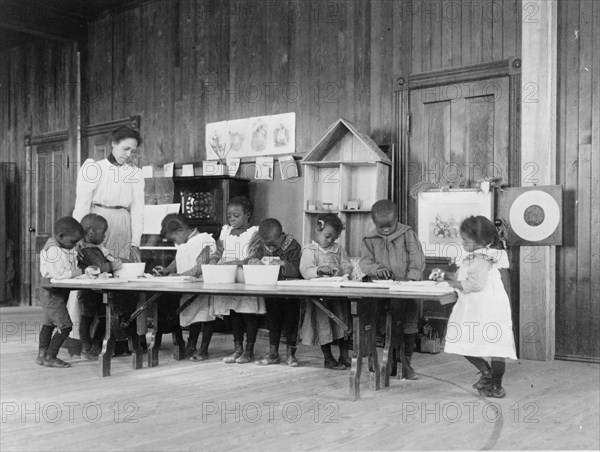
<point x="482" y="301"/>
<point x="193" y="250"/>
<point x="58" y="260"/>
<point x="326" y="257"/>
<point x="235" y="245"/>
<point x="95" y="259"/>
<point x="392" y="251"/>
<point x="282" y="313"/>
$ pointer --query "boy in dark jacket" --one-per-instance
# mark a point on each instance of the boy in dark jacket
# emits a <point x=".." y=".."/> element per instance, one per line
<point x="393" y="251"/>
<point x="93" y="254"/>
<point x="280" y="249"/>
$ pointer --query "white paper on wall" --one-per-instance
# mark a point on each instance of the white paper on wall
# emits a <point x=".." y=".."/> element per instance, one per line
<point x="264" y="168"/>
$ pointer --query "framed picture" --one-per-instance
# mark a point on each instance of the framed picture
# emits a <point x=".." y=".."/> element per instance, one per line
<point x="440" y="214"/>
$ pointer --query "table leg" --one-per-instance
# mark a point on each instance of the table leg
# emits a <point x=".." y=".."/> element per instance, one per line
<point x="398" y="338"/>
<point x="137" y="354"/>
<point x="364" y="321"/>
<point x="371" y="346"/>
<point x="386" y="365"/>
<point x="153" y="344"/>
<point x="108" y="343"/>
<point x="179" y="344"/>
<point x="356" y="367"/>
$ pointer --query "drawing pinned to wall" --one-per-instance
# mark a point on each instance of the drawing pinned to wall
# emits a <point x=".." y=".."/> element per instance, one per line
<point x="217" y="141"/>
<point x="259" y="134"/>
<point x="251" y="137"/>
<point x="239" y="132"/>
<point x="284" y="129"/>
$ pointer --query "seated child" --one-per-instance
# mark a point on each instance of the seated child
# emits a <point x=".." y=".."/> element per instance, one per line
<point x="482" y="301"/>
<point x="281" y="313"/>
<point x="234" y="246"/>
<point x="92" y="255"/>
<point x="193" y="250"/>
<point x="325" y="257"/>
<point x="393" y="251"/>
<point x="58" y="260"/>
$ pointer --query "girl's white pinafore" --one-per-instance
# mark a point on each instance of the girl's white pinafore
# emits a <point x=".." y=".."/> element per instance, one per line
<point x="481" y="323"/>
<point x="237" y="248"/>
<point x="185" y="259"/>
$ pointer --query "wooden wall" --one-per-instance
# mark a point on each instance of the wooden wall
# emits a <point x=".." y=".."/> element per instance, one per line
<point x="181" y="64"/>
<point x="578" y="260"/>
<point x="37" y="82"/>
<point x="448" y="34"/>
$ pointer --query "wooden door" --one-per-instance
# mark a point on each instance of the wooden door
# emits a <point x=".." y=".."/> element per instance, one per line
<point x="52" y="198"/>
<point x="459" y="134"/>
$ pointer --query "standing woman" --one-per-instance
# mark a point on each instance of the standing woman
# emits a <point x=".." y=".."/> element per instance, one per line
<point x="114" y="189"/>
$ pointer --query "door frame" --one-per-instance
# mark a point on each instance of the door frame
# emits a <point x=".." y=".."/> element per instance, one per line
<point x="31" y="143"/>
<point x="510" y="68"/>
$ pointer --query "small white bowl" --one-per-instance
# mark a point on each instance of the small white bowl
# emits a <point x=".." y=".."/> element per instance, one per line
<point x="130" y="270"/>
<point x="219" y="274"/>
<point x="261" y="274"/>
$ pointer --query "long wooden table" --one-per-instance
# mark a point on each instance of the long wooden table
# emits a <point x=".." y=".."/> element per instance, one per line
<point x="363" y="304"/>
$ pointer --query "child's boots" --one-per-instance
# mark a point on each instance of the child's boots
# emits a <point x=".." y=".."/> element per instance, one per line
<point x="86" y="351"/>
<point x="239" y="351"/>
<point x="291" y="356"/>
<point x="408" y="373"/>
<point x="202" y="353"/>
<point x="41" y="356"/>
<point x="248" y="355"/>
<point x="270" y="358"/>
<point x="330" y="362"/>
<point x="344" y="353"/>
<point x="55" y="362"/>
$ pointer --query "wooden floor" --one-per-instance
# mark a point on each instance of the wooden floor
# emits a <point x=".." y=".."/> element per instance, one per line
<point x="183" y="406"/>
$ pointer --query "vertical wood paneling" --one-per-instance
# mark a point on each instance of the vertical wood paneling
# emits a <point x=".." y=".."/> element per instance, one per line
<point x="37" y="88"/>
<point x="578" y="261"/>
<point x="446" y="33"/>
<point x="595" y="171"/>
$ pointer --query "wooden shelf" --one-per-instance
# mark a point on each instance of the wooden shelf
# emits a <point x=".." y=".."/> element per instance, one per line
<point x="333" y="164"/>
<point x="345" y="165"/>
<point x="323" y="164"/>
<point x="321" y="211"/>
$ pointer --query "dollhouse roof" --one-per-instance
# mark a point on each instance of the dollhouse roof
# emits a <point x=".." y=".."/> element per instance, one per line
<point x="369" y="151"/>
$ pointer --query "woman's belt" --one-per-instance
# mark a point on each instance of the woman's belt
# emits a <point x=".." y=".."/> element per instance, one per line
<point x="109" y="207"/>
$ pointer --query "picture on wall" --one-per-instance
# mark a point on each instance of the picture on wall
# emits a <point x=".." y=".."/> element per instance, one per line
<point x="259" y="135"/>
<point x="251" y="137"/>
<point x="239" y="133"/>
<point x="440" y="214"/>
<point x="217" y="141"/>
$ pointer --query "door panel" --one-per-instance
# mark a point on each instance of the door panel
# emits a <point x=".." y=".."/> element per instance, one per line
<point x="51" y="200"/>
<point x="459" y="134"/>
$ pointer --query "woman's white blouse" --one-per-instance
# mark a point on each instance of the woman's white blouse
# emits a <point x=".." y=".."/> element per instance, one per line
<point x="103" y="183"/>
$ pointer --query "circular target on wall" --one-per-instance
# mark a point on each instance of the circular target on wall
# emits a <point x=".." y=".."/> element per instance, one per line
<point x="534" y="215"/>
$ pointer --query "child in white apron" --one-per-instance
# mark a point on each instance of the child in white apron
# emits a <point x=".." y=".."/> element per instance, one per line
<point x="234" y="246"/>
<point x="193" y="250"/>
<point x="480" y="324"/>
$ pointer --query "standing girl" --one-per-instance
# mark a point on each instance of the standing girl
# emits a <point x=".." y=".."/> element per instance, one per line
<point x="193" y="250"/>
<point x="234" y="246"/>
<point x="480" y="324"/>
<point x="326" y="257"/>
